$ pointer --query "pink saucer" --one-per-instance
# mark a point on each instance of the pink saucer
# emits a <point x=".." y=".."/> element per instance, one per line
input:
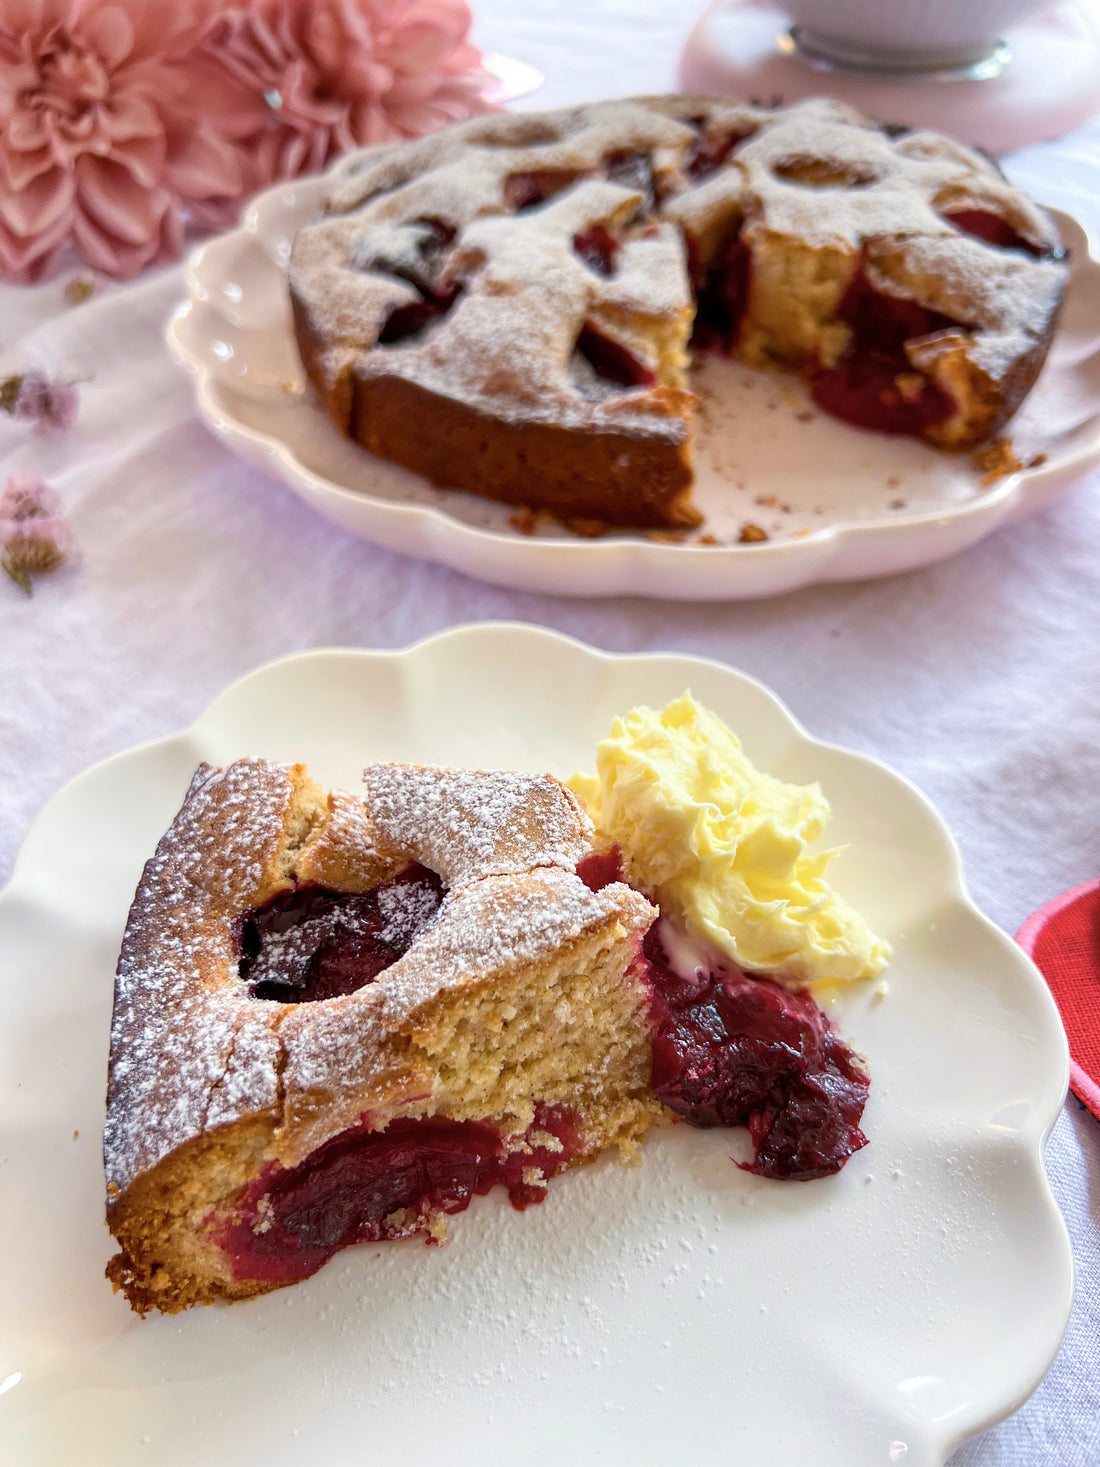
<point x="1063" y="941"/>
<point x="1047" y="83"/>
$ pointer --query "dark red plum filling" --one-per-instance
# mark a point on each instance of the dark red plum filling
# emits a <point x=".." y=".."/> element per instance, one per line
<point x="721" y="295"/>
<point x="417" y="262"/>
<point x="634" y="170"/>
<point x="738" y="1049"/>
<point x="862" y="389"/>
<point x="884" y="322"/>
<point x="314" y="943"/>
<point x="873" y="385"/>
<point x="729" y="1049"/>
<point x="611" y="360"/>
<point x="993" y="229"/>
<point x="710" y="150"/>
<point x="406" y="322"/>
<point x="598" y="248"/>
<point x="863" y="386"/>
<point x="524" y="191"/>
<point x="368" y="1186"/>
<point x="600" y="869"/>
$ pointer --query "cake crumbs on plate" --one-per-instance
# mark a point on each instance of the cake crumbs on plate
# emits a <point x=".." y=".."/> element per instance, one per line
<point x="752" y="535"/>
<point x="587" y="529"/>
<point x="995" y="461"/>
<point x="524" y="520"/>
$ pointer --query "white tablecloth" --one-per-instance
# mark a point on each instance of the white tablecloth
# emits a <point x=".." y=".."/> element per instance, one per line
<point x="976" y="678"/>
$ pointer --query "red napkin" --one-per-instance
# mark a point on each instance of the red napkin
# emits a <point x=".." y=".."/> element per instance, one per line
<point x="1063" y="941"/>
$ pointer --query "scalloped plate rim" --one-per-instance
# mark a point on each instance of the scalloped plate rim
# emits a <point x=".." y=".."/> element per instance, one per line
<point x="1011" y="497"/>
<point x="1034" y="1135"/>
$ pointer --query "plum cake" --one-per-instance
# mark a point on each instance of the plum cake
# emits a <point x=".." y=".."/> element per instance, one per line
<point x="509" y="306"/>
<point x="338" y="1020"/>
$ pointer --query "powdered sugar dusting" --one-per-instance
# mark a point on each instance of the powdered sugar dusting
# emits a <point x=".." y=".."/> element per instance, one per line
<point x="1007" y="306"/>
<point x="190" y="1049"/>
<point x="817" y="173"/>
<point x="481" y="352"/>
<point x="342" y="853"/>
<point x="335" y="1048"/>
<point x="496" y="926"/>
<point x="183" y="1047"/>
<point x="468" y="824"/>
<point x="285" y="956"/>
<point x="406" y="909"/>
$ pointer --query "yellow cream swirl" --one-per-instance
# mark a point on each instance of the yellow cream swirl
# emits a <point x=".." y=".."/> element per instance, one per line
<point x="725" y="847"/>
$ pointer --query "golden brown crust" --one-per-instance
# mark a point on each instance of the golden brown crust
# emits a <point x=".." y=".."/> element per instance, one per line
<point x="621" y="478"/>
<point x="341" y="849"/>
<point x="163" y="1263"/>
<point x="997" y="460"/>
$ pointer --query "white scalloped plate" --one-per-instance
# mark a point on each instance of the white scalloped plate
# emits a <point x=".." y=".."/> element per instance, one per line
<point x="679" y="1310"/>
<point x="842" y="504"/>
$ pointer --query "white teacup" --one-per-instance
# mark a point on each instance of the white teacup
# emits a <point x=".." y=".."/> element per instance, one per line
<point x="906" y="35"/>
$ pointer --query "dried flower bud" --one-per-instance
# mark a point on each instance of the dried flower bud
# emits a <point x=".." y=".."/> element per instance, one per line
<point x="23" y="559"/>
<point x="34" y="533"/>
<point x="50" y="406"/>
<point x="78" y="289"/>
<point x="9" y="393"/>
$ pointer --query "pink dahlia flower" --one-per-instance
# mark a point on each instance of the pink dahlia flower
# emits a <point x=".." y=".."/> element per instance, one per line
<point x="98" y="141"/>
<point x="297" y="82"/>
